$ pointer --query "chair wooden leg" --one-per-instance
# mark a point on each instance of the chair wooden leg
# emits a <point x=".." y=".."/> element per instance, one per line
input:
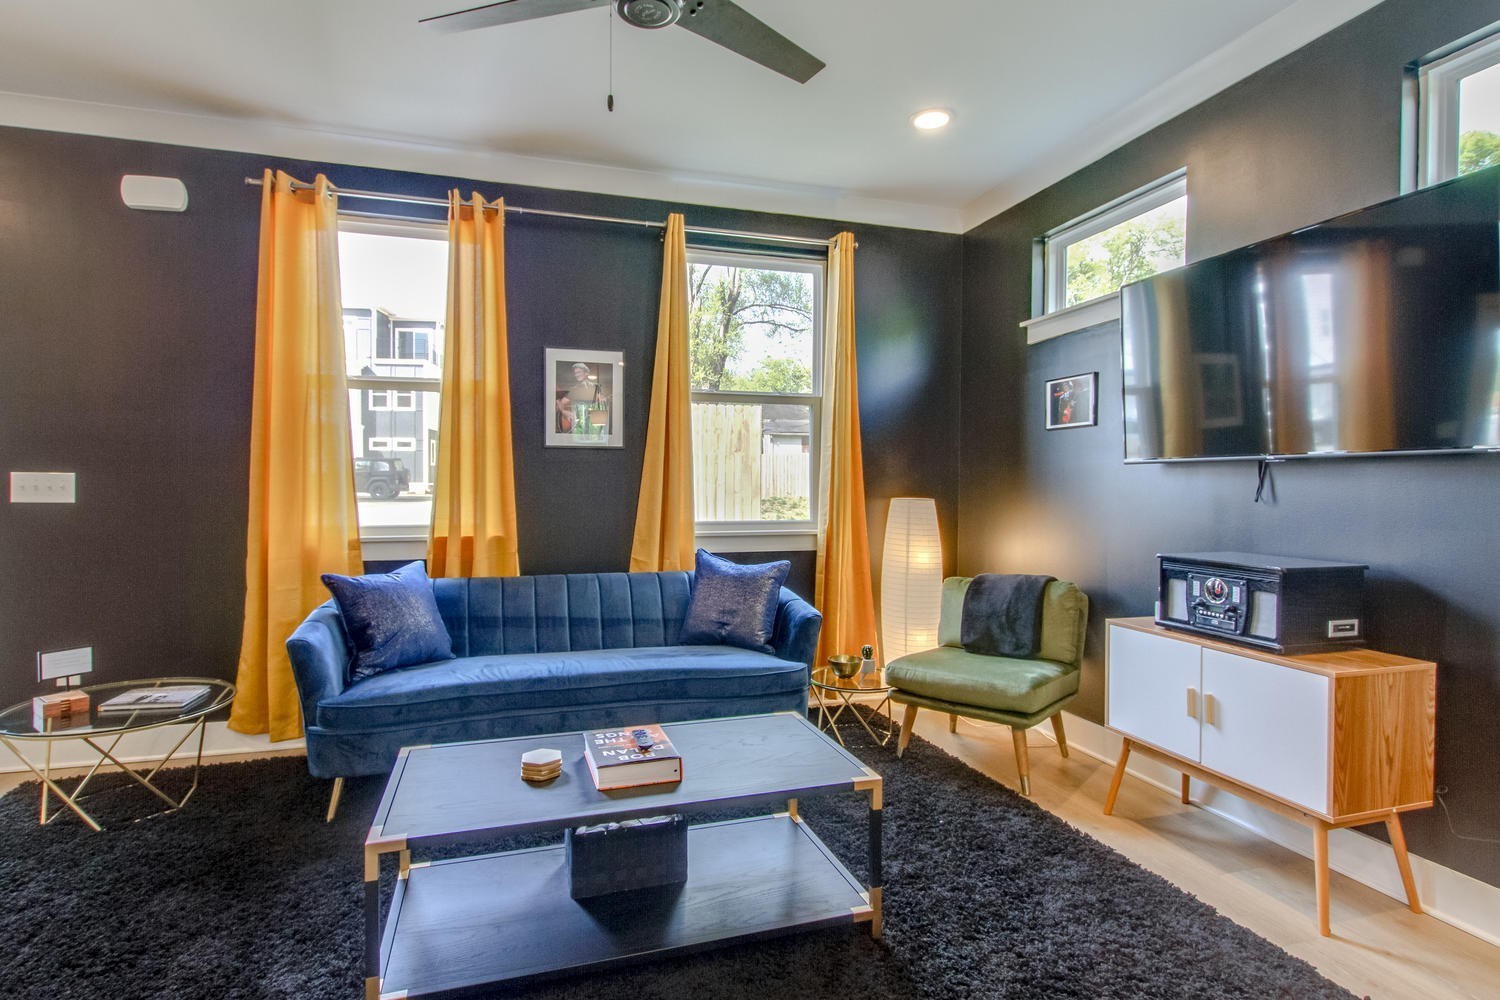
<point x="333" y="800"/>
<point x="952" y="722"/>
<point x="1062" y="737"/>
<point x="908" y="722"/>
<point x="1023" y="760"/>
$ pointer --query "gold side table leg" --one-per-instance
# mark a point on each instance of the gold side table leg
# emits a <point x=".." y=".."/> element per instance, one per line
<point x="47" y="773"/>
<point x="54" y="787"/>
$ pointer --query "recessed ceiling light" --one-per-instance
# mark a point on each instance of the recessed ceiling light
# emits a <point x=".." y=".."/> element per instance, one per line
<point x="931" y="119"/>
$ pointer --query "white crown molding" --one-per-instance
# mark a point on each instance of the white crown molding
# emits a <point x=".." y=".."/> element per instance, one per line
<point x="1256" y="49"/>
<point x="417" y="156"/>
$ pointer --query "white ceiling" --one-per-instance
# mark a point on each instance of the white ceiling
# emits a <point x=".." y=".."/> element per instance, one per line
<point x="1038" y="90"/>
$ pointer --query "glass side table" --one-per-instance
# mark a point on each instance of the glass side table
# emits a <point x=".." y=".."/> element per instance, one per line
<point x="834" y="694"/>
<point x="104" y="735"/>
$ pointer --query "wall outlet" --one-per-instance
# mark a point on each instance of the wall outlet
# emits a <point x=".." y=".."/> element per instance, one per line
<point x="43" y="487"/>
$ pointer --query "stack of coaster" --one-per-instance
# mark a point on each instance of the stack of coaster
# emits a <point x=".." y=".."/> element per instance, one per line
<point x="541" y="765"/>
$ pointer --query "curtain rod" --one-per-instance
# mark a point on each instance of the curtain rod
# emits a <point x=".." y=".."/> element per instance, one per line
<point x="412" y="199"/>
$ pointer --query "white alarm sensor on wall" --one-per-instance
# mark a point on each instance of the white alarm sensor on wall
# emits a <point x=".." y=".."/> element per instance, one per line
<point x="153" y="194"/>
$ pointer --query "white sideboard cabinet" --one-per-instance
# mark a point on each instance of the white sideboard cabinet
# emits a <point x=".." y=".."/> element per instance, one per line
<point x="1333" y="739"/>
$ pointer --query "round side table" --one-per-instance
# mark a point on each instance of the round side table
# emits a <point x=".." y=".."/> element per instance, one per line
<point x="835" y="694"/>
<point x="103" y="735"/>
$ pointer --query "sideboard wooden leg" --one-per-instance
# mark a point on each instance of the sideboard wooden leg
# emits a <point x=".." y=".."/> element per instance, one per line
<point x="1320" y="866"/>
<point x="1114" y="785"/>
<point x="1398" y="845"/>
<point x="1185" y="782"/>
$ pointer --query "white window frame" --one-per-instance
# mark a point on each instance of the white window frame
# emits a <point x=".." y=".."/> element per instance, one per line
<point x="396" y="332"/>
<point x="1138" y="202"/>
<point x="391" y="401"/>
<point x="402" y="542"/>
<point x="1438" y="82"/>
<point x="768" y="536"/>
<point x="390" y="444"/>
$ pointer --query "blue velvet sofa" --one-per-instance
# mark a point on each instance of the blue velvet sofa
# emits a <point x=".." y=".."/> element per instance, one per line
<point x="541" y="654"/>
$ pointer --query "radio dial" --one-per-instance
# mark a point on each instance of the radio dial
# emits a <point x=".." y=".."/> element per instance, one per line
<point x="1216" y="590"/>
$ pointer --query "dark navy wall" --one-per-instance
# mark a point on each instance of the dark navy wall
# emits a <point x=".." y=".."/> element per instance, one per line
<point x="1312" y="136"/>
<point x="126" y="346"/>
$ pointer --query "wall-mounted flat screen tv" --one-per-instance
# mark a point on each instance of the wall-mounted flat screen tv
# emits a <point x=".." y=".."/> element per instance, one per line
<point x="1375" y="332"/>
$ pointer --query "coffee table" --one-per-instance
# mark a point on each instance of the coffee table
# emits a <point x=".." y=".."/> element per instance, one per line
<point x="489" y="918"/>
<point x="104" y="735"/>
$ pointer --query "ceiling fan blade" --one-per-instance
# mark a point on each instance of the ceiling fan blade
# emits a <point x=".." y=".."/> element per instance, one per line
<point x="505" y="12"/>
<point x="735" y="28"/>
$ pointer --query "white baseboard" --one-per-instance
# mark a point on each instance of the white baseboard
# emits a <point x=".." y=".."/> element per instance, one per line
<point x="147" y="745"/>
<point x="1452" y="897"/>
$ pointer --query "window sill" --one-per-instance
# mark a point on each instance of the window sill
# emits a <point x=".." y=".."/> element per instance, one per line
<point x="780" y="540"/>
<point x="1104" y="309"/>
<point x="393" y="548"/>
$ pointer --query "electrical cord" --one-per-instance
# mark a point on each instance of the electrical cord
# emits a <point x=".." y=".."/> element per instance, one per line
<point x="1448" y="816"/>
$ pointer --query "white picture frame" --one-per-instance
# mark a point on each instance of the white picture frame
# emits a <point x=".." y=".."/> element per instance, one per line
<point x="569" y="419"/>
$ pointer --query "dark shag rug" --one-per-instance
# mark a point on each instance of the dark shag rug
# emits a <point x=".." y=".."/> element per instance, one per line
<point x="247" y="893"/>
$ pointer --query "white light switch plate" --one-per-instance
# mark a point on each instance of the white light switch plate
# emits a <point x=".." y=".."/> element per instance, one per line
<point x="43" y="487"/>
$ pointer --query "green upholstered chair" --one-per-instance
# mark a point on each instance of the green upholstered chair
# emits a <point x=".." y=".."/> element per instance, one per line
<point x="1018" y="693"/>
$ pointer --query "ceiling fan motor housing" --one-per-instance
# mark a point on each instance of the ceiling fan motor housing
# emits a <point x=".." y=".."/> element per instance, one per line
<point x="650" y="13"/>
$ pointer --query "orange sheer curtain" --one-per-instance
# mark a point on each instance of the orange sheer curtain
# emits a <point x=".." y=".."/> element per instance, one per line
<point x="303" y="520"/>
<point x="474" y="499"/>
<point x="845" y="594"/>
<point x="664" y="515"/>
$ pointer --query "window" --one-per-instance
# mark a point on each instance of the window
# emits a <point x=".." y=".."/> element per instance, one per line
<point x="1127" y="240"/>
<point x="756" y="356"/>
<point x="385" y="399"/>
<point x="1459" y="110"/>
<point x="395" y="280"/>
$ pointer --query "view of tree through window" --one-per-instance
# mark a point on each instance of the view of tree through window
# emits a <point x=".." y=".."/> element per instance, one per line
<point x="1134" y="249"/>
<point x="754" y="335"/>
<point x="1479" y="120"/>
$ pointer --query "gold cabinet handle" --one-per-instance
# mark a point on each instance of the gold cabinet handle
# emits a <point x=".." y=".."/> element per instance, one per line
<point x="1210" y="710"/>
<point x="1192" y="703"/>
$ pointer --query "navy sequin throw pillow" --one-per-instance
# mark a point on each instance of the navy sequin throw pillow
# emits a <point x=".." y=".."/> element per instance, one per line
<point x="391" y="618"/>
<point x="733" y="604"/>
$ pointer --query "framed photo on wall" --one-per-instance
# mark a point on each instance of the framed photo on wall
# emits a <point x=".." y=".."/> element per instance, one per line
<point x="1073" y="401"/>
<point x="585" y="391"/>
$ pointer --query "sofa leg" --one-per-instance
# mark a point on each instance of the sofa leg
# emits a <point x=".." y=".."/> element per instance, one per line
<point x="333" y="800"/>
<point x="1023" y="760"/>
<point x="952" y="722"/>
<point x="908" y="722"/>
<point x="1062" y="737"/>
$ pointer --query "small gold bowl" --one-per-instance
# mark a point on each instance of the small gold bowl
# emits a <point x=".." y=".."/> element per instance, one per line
<point x="844" y="665"/>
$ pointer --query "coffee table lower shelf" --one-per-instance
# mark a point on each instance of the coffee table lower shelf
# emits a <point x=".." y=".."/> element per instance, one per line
<point x="469" y="922"/>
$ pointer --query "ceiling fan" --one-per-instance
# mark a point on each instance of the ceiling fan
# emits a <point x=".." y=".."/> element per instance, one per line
<point x="721" y="21"/>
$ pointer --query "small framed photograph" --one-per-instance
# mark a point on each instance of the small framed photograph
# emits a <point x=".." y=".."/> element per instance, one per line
<point x="585" y="390"/>
<point x="1073" y="401"/>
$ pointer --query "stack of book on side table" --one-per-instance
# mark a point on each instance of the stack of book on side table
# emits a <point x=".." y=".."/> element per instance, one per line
<point x="169" y="699"/>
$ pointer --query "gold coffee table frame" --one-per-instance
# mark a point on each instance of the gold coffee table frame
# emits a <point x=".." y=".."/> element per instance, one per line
<point x="834" y="694"/>
<point x="104" y="736"/>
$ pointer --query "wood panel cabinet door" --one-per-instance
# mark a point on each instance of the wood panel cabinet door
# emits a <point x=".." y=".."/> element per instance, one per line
<point x="1266" y="726"/>
<point x="1153" y="690"/>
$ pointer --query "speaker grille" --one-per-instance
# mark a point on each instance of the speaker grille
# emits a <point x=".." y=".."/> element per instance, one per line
<point x="1177" y="600"/>
<point x="1262" y="614"/>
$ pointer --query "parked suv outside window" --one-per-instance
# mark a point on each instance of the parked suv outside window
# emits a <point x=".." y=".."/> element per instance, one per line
<point x="380" y="477"/>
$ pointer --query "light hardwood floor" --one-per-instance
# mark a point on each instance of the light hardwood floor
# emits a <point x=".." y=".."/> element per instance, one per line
<point x="1378" y="948"/>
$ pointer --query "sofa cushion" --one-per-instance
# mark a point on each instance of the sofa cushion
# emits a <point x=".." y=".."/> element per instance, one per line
<point x="997" y="682"/>
<point x="478" y="686"/>
<point x="391" y="618"/>
<point x="733" y="604"/>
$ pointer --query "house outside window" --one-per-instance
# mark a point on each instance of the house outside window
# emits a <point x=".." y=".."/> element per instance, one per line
<point x="394" y="279"/>
<point x="1126" y="240"/>
<point x="756" y="336"/>
<point x="1458" y="106"/>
